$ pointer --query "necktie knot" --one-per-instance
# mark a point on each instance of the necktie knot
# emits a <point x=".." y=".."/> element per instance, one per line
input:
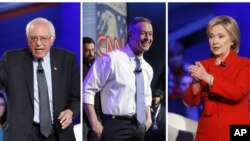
<point x="40" y="67"/>
<point x="40" y="60"/>
<point x="138" y="65"/>
<point x="138" y="62"/>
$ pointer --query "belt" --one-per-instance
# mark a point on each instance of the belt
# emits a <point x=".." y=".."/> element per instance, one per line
<point x="131" y="118"/>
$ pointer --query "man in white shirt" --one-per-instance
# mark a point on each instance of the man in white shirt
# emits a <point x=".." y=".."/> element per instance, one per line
<point x="114" y="75"/>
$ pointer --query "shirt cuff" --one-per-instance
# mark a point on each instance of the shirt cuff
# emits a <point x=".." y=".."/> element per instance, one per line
<point x="148" y="101"/>
<point x="88" y="98"/>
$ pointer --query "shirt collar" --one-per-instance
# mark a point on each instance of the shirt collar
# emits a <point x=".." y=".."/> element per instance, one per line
<point x="127" y="49"/>
<point x="229" y="59"/>
<point x="45" y="58"/>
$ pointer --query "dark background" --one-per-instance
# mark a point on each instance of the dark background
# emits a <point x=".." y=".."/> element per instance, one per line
<point x="187" y="23"/>
<point x="156" y="56"/>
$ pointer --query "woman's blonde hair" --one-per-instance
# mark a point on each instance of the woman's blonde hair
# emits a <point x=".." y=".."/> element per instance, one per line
<point x="231" y="27"/>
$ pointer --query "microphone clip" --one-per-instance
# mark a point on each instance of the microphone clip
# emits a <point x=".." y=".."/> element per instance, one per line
<point x="222" y="64"/>
<point x="39" y="71"/>
<point x="138" y="70"/>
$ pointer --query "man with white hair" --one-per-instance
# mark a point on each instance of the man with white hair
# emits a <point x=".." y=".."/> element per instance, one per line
<point x="43" y="87"/>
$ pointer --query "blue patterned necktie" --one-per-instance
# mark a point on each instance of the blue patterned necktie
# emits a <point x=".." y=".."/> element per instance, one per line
<point x="140" y="100"/>
<point x="45" y="117"/>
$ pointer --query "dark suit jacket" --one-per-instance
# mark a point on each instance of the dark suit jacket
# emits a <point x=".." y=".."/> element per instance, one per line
<point x="160" y="134"/>
<point x="16" y="75"/>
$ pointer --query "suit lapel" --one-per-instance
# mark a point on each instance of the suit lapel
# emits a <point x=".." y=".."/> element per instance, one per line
<point x="55" y="79"/>
<point x="28" y="72"/>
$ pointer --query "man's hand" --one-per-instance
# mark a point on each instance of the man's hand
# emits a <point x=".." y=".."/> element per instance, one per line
<point x="66" y="118"/>
<point x="148" y="120"/>
<point x="97" y="128"/>
<point x="148" y="123"/>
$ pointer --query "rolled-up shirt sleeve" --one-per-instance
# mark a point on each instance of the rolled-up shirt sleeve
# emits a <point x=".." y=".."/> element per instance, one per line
<point x="96" y="78"/>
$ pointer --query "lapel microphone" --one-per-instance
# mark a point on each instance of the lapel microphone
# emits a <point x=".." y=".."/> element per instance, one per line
<point x="138" y="70"/>
<point x="39" y="71"/>
<point x="222" y="64"/>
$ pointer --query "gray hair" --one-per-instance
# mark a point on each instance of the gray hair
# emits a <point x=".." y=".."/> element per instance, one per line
<point x="39" y="19"/>
<point x="135" y="21"/>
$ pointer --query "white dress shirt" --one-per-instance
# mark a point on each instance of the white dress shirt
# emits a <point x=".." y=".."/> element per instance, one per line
<point x="113" y="75"/>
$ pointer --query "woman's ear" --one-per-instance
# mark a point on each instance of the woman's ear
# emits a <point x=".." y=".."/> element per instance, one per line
<point x="232" y="43"/>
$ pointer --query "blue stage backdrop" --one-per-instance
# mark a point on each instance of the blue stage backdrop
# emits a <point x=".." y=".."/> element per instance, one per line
<point x="111" y="26"/>
<point x="65" y="17"/>
<point x="190" y="28"/>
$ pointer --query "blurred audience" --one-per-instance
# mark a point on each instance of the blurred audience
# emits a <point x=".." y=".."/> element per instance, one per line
<point x="88" y="54"/>
<point x="88" y="59"/>
<point x="177" y="68"/>
<point x="178" y="82"/>
<point x="157" y="131"/>
<point x="3" y="114"/>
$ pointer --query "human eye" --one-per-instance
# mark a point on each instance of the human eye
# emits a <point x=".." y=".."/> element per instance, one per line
<point x="33" y="38"/>
<point x="221" y="36"/>
<point x="44" y="39"/>
<point x="150" y="34"/>
<point x="143" y="33"/>
<point x="210" y="36"/>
